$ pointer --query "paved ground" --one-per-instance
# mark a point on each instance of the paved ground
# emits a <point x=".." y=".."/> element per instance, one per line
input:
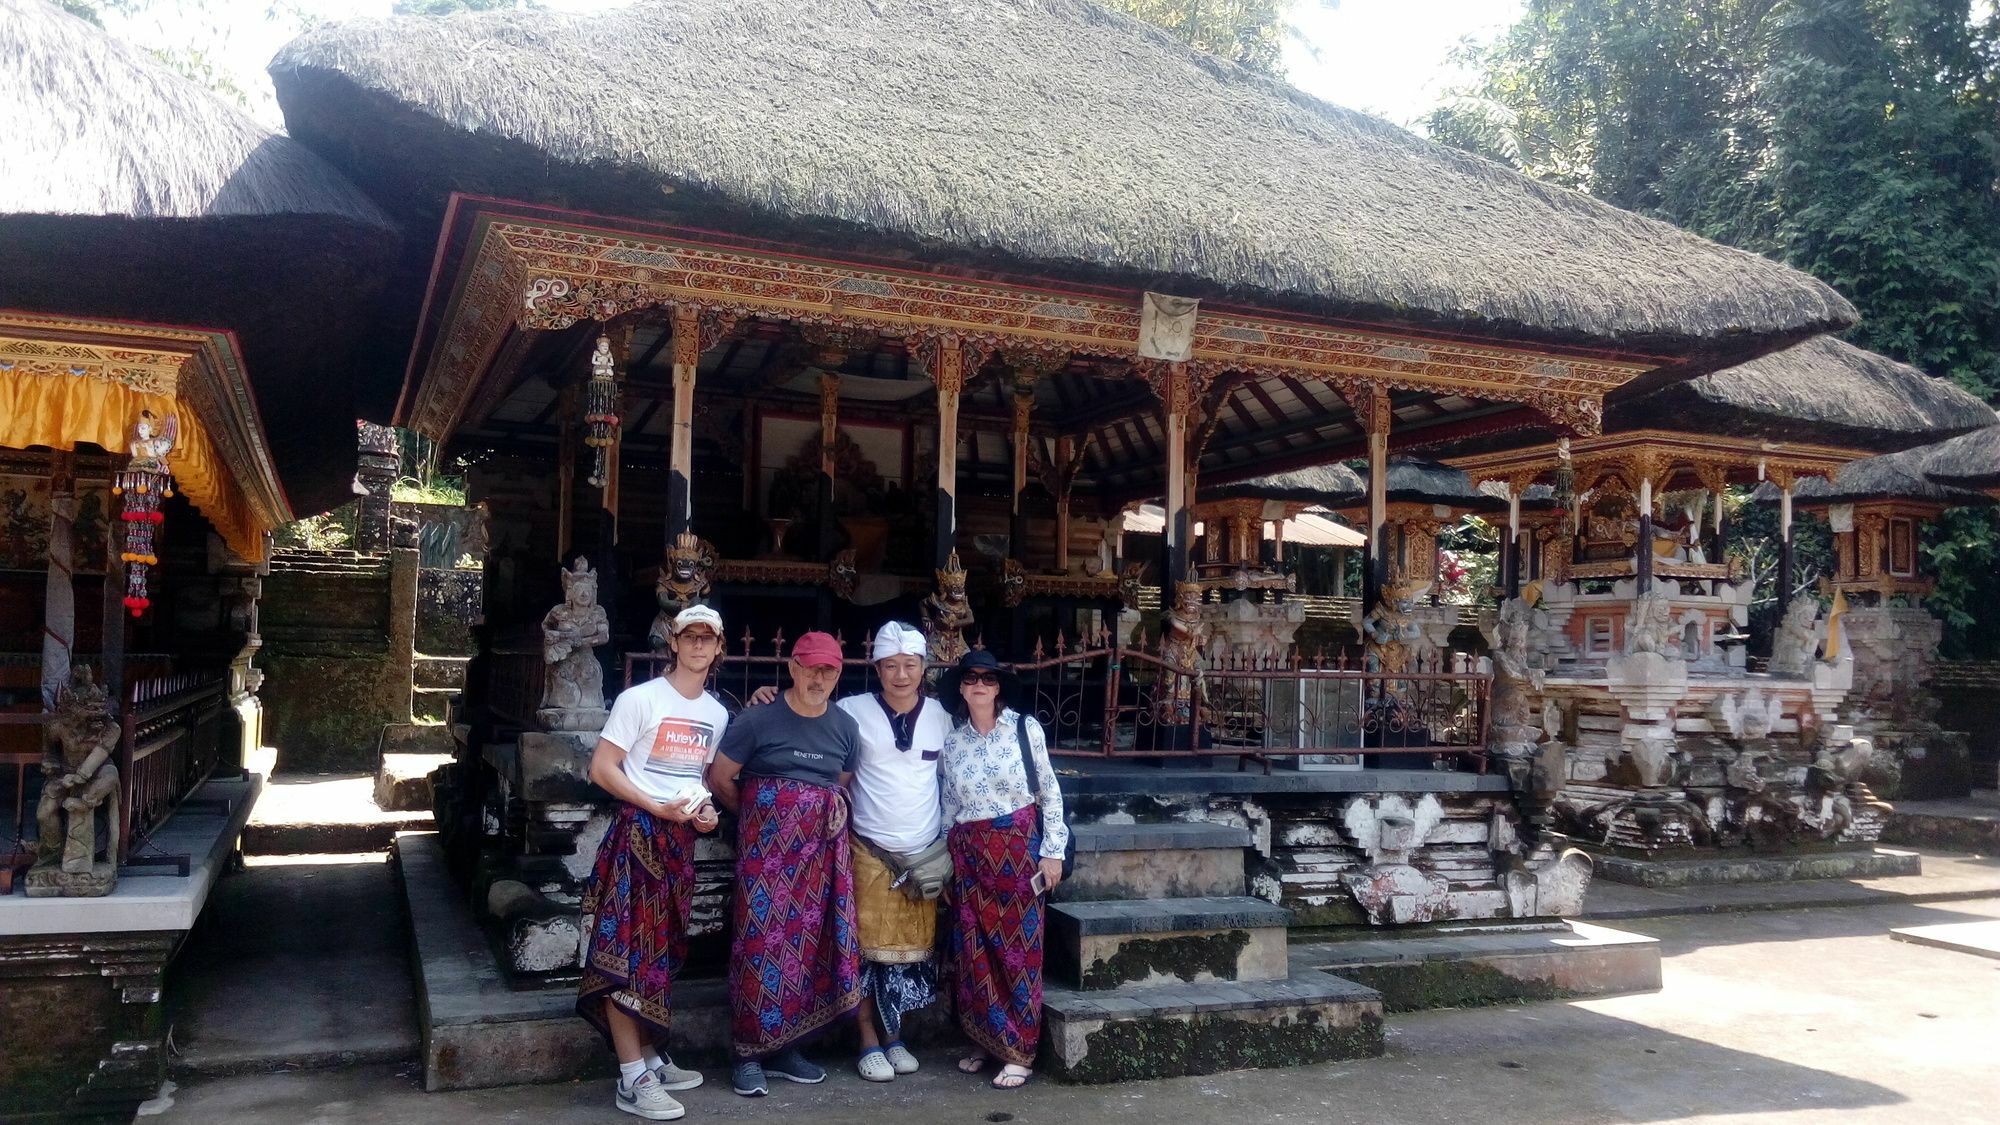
<point x="1793" y="1016"/>
<point x="1946" y="876"/>
<point x="298" y="961"/>
<point x="322" y="813"/>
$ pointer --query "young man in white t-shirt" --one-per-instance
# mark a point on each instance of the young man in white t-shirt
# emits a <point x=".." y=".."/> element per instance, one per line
<point x="894" y="801"/>
<point x="651" y="756"/>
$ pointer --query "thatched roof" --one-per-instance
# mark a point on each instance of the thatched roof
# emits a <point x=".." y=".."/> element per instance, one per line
<point x="1948" y="472"/>
<point x="1048" y="137"/>
<point x="1323" y="485"/>
<point x="1824" y="391"/>
<point x="134" y="194"/>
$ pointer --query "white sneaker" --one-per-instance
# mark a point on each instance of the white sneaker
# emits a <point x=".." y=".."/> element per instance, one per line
<point x="900" y="1058"/>
<point x="674" y="1078"/>
<point x="648" y="1100"/>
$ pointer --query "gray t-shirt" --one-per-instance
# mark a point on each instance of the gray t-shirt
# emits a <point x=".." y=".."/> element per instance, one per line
<point x="774" y="741"/>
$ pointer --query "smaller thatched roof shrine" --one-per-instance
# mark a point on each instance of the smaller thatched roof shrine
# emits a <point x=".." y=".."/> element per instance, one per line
<point x="134" y="195"/>
<point x="1946" y="472"/>
<point x="1338" y="488"/>
<point x="1824" y="391"/>
<point x="1320" y="485"/>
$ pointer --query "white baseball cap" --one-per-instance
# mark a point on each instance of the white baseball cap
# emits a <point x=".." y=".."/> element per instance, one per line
<point x="697" y="615"/>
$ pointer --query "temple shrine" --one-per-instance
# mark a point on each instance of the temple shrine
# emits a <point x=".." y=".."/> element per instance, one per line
<point x="842" y="312"/>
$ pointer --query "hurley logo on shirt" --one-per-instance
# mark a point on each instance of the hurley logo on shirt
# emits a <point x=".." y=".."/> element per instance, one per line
<point x="680" y="748"/>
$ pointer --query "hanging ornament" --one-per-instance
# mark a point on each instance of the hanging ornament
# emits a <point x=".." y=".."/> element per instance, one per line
<point x="145" y="483"/>
<point x="600" y="418"/>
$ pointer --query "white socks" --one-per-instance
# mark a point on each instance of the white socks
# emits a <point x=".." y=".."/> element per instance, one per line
<point x="629" y="1072"/>
<point x="652" y="1058"/>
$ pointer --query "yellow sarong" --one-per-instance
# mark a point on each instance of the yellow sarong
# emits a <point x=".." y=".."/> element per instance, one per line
<point x="895" y="929"/>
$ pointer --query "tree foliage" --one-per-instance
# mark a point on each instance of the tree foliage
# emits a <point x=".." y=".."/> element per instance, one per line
<point x="1858" y="140"/>
<point x="1247" y="32"/>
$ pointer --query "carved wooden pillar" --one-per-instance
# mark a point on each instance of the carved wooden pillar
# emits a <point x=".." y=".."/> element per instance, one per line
<point x="59" y="598"/>
<point x="1513" y="557"/>
<point x="829" y="436"/>
<point x="112" y="648"/>
<point x="565" y="467"/>
<point x="1645" y="466"/>
<point x="1785" y="480"/>
<point x="1173" y="384"/>
<point x="1068" y="457"/>
<point x="1372" y="407"/>
<point x="680" y="453"/>
<point x="947" y="362"/>
<point x="621" y="368"/>
<point x="1017" y="524"/>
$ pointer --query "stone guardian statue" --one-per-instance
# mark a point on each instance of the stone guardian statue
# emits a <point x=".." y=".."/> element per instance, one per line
<point x="573" y="682"/>
<point x="81" y="780"/>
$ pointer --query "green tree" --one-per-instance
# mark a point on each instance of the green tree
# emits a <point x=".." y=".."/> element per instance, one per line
<point x="1858" y="140"/>
<point x="1248" y="32"/>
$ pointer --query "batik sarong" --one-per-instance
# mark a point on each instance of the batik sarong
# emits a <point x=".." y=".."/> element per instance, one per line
<point x="996" y="940"/>
<point x="635" y="920"/>
<point x="795" y="963"/>
<point x="898" y="941"/>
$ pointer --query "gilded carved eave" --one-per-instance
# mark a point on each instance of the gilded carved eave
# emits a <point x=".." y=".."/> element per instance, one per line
<point x="1658" y="455"/>
<point x="201" y="370"/>
<point x="545" y="275"/>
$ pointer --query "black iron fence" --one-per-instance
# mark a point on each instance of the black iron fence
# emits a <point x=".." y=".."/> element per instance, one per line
<point x="1096" y="698"/>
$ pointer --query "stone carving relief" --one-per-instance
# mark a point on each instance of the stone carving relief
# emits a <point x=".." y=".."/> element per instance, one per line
<point x="573" y="680"/>
<point x="1389" y="889"/>
<point x="81" y="784"/>
<point x="1793" y="644"/>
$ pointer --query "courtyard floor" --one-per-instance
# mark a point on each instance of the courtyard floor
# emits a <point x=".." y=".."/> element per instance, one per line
<point x="1772" y="1015"/>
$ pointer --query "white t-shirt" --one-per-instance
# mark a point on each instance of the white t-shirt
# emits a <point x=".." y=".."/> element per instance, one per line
<point x="667" y="738"/>
<point x="894" y="794"/>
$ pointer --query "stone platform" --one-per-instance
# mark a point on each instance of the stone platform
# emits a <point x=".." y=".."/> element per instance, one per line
<point x="1710" y="870"/>
<point x="1981" y="939"/>
<point x="1459" y="967"/>
<point x="1971" y="824"/>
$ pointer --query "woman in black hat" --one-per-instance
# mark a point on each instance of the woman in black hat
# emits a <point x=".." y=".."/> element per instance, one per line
<point x="1007" y="836"/>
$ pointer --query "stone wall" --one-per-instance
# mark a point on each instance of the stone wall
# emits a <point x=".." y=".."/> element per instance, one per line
<point x="448" y="605"/>
<point x="338" y="633"/>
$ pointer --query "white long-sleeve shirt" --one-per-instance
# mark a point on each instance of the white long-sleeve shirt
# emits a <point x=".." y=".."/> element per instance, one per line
<point x="982" y="778"/>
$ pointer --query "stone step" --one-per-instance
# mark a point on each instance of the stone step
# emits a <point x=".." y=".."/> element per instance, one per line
<point x="440" y="672"/>
<point x="403" y="781"/>
<point x="1100" y="945"/>
<point x="1170" y="1031"/>
<point x="1417" y="969"/>
<point x="431" y="705"/>
<point x="1152" y="861"/>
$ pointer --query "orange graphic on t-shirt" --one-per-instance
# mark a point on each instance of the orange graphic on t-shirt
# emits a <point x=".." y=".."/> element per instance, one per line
<point x="680" y="747"/>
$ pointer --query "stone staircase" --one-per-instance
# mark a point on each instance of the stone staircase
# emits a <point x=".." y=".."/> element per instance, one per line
<point x="1158" y="965"/>
<point x="437" y="681"/>
<point x="329" y="562"/>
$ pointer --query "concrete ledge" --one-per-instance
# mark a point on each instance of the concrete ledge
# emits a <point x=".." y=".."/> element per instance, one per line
<point x="1180" y="835"/>
<point x="1175" y="1030"/>
<point x="1967" y="825"/>
<point x="1165" y="915"/>
<point x="1497" y="966"/>
<point x="205" y="829"/>
<point x="1981" y="939"/>
<point x="1724" y="869"/>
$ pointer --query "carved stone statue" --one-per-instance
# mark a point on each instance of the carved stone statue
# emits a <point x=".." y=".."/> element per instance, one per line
<point x="1649" y="627"/>
<point x="81" y="780"/>
<point x="947" y="614"/>
<point x="683" y="581"/>
<point x="1793" y="643"/>
<point x="1183" y="635"/>
<point x="1391" y="630"/>
<point x="573" y="684"/>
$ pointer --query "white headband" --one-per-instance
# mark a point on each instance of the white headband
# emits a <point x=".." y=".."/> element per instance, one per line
<point x="897" y="639"/>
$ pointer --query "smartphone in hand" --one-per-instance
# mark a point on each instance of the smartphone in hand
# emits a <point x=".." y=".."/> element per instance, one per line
<point x="1039" y="883"/>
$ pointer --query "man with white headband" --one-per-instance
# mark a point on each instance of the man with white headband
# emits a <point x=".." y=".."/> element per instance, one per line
<point x="899" y="859"/>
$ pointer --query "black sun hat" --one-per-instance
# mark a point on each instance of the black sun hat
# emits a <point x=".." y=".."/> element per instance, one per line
<point x="978" y="660"/>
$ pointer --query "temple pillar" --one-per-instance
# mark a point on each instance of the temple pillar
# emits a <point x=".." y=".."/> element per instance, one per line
<point x="112" y="647"/>
<point x="378" y="462"/>
<point x="945" y="362"/>
<point x="1066" y="455"/>
<point x="686" y="329"/>
<point x="621" y="353"/>
<point x="1510" y="561"/>
<point x="1643" y="564"/>
<point x="829" y="436"/>
<point x="1372" y="407"/>
<point x="1176" y="393"/>
<point x="1017" y="524"/>
<point x="59" y="597"/>
<point x="1784" y="479"/>
<point x="565" y="469"/>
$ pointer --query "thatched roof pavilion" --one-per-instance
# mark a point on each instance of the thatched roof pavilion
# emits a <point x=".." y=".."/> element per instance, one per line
<point x="133" y="194"/>
<point x="1043" y="136"/>
<point x="1946" y="472"/>
<point x="1967" y="461"/>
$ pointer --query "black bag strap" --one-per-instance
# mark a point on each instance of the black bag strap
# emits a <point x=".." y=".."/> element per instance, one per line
<point x="1028" y="757"/>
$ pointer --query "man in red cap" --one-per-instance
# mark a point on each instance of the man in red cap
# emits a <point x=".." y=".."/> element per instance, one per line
<point x="795" y="963"/>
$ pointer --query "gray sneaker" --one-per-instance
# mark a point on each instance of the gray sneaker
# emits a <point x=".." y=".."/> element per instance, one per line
<point x="791" y="1066"/>
<point x="674" y="1078"/>
<point x="747" y="1078"/>
<point x="648" y="1100"/>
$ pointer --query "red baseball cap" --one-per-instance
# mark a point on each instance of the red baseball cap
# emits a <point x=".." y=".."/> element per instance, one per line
<point x="817" y="650"/>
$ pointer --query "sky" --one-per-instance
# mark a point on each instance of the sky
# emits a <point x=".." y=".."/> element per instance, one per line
<point x="1387" y="57"/>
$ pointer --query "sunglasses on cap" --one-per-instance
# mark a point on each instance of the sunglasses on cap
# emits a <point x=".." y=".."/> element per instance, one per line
<point x="989" y="679"/>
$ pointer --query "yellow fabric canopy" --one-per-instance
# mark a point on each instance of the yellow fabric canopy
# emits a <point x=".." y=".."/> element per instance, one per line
<point x="59" y="411"/>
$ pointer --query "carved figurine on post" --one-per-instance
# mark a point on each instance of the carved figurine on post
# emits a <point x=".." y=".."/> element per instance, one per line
<point x="1793" y="642"/>
<point x="1649" y="627"/>
<point x="81" y="779"/>
<point x="1183" y="636"/>
<point x="683" y="581"/>
<point x="947" y="614"/>
<point x="1391" y="631"/>
<point x="573" y="684"/>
